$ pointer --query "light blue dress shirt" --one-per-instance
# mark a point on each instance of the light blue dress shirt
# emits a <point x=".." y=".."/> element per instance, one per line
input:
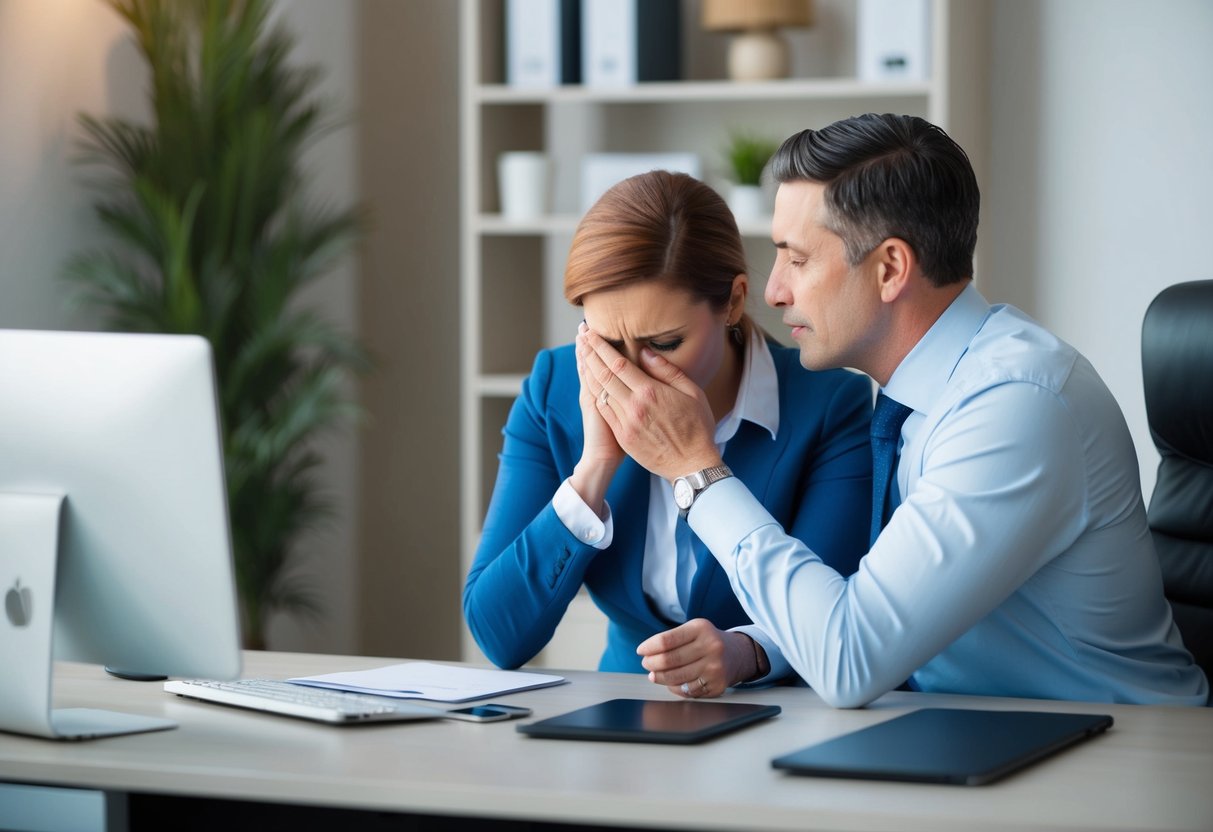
<point x="1019" y="562"/>
<point x="669" y="562"/>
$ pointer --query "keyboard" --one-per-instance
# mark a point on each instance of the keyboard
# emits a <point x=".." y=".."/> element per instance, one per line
<point x="319" y="704"/>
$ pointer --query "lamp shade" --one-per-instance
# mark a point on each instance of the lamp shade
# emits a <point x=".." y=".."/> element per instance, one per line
<point x="748" y="15"/>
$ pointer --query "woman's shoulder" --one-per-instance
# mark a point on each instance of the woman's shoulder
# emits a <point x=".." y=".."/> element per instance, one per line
<point x="553" y="376"/>
<point x="796" y="380"/>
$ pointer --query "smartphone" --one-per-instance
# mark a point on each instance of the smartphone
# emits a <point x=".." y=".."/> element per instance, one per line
<point x="488" y="713"/>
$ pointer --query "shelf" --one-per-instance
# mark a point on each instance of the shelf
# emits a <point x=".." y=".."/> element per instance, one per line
<point x="511" y="271"/>
<point x="495" y="225"/>
<point x="757" y="227"/>
<point x="704" y="91"/>
<point x="501" y="385"/>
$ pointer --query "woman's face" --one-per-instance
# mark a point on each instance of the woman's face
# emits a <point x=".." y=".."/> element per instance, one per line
<point x="670" y="322"/>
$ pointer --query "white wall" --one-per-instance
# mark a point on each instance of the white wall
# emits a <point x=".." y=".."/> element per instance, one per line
<point x="1100" y="172"/>
<point x="62" y="57"/>
<point x="325" y="36"/>
<point x="43" y="209"/>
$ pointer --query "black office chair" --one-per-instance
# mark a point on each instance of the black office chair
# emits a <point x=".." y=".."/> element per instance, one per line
<point x="1177" y="367"/>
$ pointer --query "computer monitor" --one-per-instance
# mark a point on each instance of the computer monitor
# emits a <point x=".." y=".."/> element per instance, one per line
<point x="115" y="546"/>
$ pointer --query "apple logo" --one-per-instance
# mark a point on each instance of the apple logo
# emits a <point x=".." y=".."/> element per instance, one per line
<point x="19" y="604"/>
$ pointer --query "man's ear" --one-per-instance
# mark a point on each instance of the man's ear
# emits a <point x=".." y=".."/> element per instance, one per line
<point x="895" y="264"/>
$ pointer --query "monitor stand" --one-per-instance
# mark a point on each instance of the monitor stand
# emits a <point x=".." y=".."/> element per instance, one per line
<point x="29" y="549"/>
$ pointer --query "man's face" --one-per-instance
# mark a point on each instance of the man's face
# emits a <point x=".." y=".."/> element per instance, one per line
<point x="834" y="309"/>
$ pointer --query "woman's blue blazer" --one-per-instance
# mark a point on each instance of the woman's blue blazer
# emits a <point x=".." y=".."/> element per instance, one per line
<point x="815" y="477"/>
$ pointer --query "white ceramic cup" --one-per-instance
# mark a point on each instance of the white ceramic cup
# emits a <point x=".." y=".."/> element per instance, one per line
<point x="524" y="181"/>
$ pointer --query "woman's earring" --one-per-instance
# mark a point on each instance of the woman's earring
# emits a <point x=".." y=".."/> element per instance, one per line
<point x="738" y="335"/>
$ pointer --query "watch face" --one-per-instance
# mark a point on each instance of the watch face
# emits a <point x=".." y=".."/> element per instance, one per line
<point x="684" y="495"/>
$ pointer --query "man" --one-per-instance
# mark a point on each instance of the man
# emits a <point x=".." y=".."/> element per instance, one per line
<point x="1016" y="560"/>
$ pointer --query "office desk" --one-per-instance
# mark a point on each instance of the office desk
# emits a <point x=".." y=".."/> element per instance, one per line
<point x="1153" y="770"/>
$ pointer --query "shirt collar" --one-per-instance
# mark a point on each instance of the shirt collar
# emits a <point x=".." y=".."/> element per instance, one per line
<point x="757" y="394"/>
<point x="920" y="378"/>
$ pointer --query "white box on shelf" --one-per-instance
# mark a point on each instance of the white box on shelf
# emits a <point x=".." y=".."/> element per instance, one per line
<point x="543" y="42"/>
<point x="894" y="40"/>
<point x="599" y="171"/>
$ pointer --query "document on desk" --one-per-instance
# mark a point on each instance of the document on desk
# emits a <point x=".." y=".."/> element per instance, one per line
<point x="433" y="682"/>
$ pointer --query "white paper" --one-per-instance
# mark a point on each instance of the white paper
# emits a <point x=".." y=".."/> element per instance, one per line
<point x="435" y="682"/>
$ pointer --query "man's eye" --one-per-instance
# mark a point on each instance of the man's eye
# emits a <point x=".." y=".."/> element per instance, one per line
<point x="666" y="346"/>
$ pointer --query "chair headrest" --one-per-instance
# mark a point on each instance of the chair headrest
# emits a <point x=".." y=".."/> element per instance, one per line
<point x="1177" y="370"/>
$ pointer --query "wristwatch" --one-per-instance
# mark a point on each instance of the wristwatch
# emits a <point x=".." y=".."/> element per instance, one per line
<point x="687" y="488"/>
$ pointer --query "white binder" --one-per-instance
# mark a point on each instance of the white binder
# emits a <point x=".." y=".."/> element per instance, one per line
<point x="543" y="42"/>
<point x="894" y="40"/>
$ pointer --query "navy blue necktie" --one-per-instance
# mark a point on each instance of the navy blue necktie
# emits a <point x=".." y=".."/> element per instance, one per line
<point x="887" y="420"/>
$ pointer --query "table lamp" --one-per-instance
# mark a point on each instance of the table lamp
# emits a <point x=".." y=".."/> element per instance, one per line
<point x="758" y="52"/>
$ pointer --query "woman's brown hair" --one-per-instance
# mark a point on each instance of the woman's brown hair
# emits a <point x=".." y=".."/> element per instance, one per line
<point x="657" y="226"/>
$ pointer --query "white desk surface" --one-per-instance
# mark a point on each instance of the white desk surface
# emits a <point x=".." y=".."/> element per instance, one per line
<point x="1152" y="770"/>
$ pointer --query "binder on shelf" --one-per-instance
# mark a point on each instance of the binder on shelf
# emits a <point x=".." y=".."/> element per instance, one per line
<point x="894" y="40"/>
<point x="626" y="42"/>
<point x="543" y="42"/>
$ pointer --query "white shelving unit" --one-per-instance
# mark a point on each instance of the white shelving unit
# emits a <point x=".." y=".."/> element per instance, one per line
<point x="511" y="272"/>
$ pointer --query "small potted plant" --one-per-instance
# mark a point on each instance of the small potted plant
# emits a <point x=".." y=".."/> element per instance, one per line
<point x="747" y="156"/>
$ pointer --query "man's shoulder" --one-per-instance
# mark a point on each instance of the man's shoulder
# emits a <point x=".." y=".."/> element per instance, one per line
<point x="1011" y="347"/>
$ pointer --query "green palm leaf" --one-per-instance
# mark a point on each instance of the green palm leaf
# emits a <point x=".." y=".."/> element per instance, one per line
<point x="208" y="233"/>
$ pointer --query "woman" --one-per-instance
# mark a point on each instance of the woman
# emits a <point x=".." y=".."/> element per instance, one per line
<point x="657" y="262"/>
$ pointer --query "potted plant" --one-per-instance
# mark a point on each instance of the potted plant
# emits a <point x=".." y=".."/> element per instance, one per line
<point x="208" y="232"/>
<point x="747" y="156"/>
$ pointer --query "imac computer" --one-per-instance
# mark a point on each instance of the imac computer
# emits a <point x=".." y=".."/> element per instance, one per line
<point x="115" y="547"/>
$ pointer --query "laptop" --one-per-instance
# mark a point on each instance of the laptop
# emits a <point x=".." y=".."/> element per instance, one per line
<point x="945" y="745"/>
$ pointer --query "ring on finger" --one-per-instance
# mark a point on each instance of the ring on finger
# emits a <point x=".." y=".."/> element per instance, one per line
<point x="686" y="689"/>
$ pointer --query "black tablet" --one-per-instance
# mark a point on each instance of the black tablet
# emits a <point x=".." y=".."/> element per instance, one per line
<point x="641" y="720"/>
<point x="943" y="745"/>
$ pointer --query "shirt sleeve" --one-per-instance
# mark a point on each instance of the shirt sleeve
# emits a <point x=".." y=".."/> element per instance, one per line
<point x="580" y="519"/>
<point x="1001" y="492"/>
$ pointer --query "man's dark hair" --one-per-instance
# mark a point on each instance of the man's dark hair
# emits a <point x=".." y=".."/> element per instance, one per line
<point x="891" y="176"/>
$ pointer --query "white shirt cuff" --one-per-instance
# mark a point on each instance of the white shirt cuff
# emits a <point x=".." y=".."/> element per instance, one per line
<point x="580" y="519"/>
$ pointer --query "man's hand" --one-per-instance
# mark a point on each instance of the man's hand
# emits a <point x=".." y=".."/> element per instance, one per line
<point x="658" y="415"/>
<point x="695" y="660"/>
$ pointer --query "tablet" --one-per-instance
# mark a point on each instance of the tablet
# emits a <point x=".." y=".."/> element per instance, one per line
<point x="944" y="745"/>
<point x="639" y="720"/>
